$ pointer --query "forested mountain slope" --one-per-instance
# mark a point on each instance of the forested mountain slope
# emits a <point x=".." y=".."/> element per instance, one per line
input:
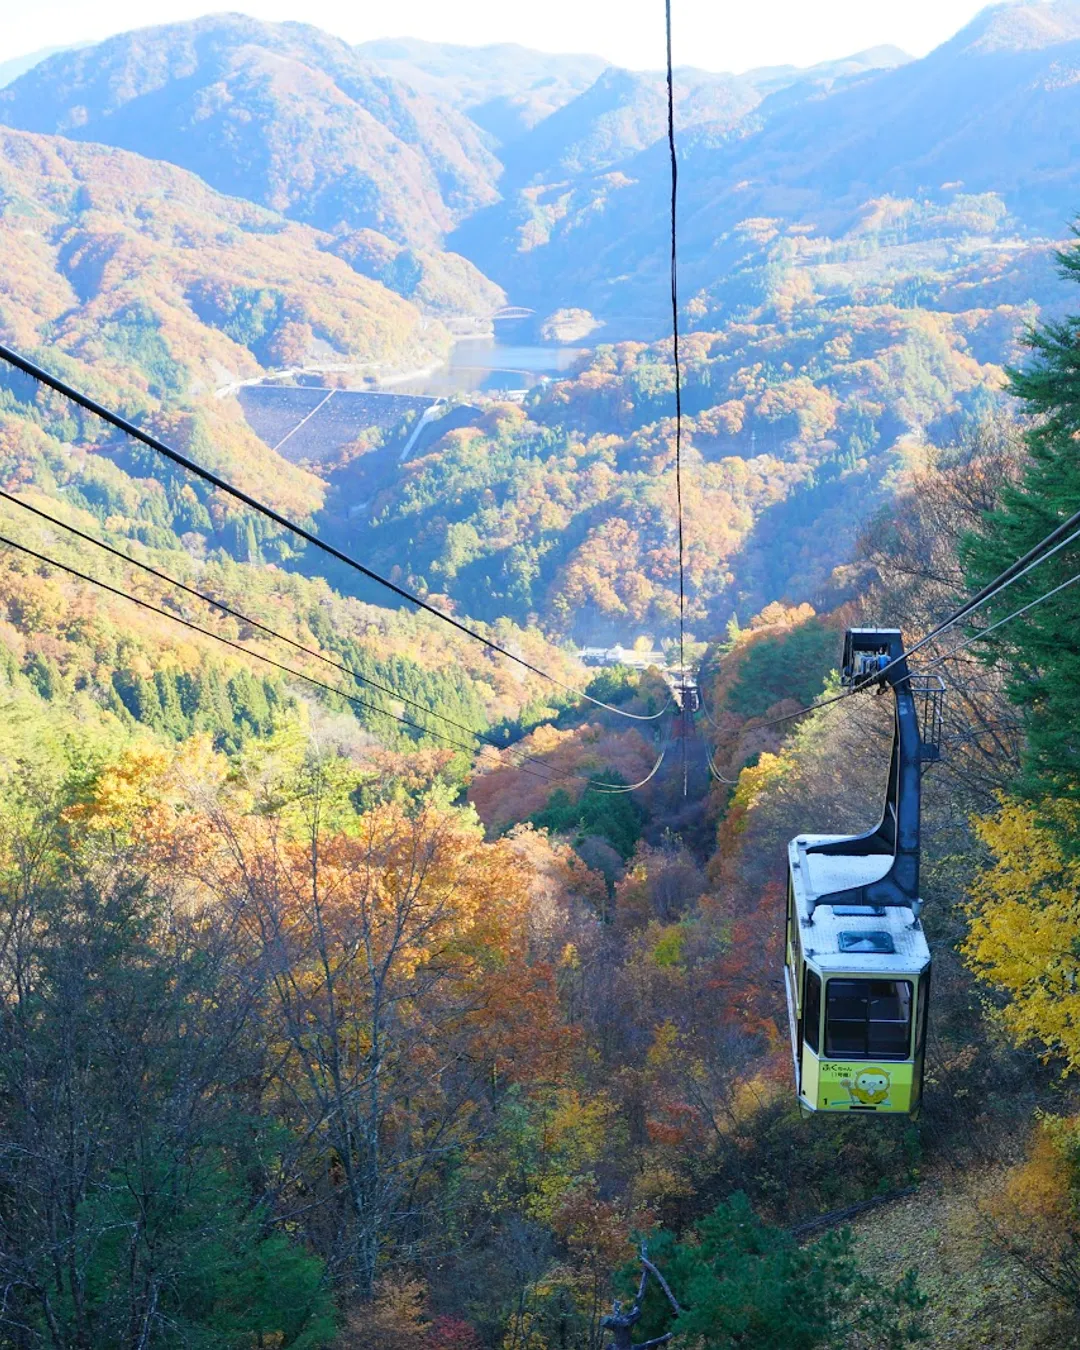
<point x="621" y="113"/>
<point x="324" y="1029"/>
<point x="231" y="286"/>
<point x="290" y="117"/>
<point x="153" y="290"/>
<point x="282" y="114"/>
<point x="823" y="361"/>
<point x="91" y="657"/>
<point x="19" y="65"/>
<point x="796" y="425"/>
<point x="987" y="112"/>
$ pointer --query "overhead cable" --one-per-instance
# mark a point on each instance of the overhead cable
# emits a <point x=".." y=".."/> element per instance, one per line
<point x="1066" y="533"/>
<point x="675" y="326"/>
<point x="215" y="480"/>
<point x="1054" y="542"/>
<point x="709" y="717"/>
<point x="555" y="775"/>
<point x="815" y="707"/>
<point x="1035" y="555"/>
<point x="985" y="632"/>
<point x="609" y="789"/>
<point x="729" y="782"/>
<point x="255" y="623"/>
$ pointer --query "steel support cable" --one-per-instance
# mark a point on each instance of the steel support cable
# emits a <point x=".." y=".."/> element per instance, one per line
<point x="555" y="775"/>
<point x="984" y="633"/>
<point x="730" y="782"/>
<point x="35" y="372"/>
<point x="871" y="681"/>
<point x="675" y="326"/>
<point x="1057" y="540"/>
<point x="719" y="777"/>
<point x="1060" y="537"/>
<point x="711" y="758"/>
<point x="709" y="717"/>
<point x="1037" y="554"/>
<point x="609" y="789"/>
<point x="1033" y="558"/>
<point x="389" y="690"/>
<point x="814" y="707"/>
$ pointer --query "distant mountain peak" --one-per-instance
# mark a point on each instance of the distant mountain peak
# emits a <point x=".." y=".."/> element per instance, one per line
<point x="506" y="89"/>
<point x="881" y="57"/>
<point x="771" y="79"/>
<point x="280" y="113"/>
<point x="405" y="47"/>
<point x="1020" y="25"/>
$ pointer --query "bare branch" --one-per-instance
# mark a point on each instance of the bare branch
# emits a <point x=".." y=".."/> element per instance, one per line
<point x="652" y="1270"/>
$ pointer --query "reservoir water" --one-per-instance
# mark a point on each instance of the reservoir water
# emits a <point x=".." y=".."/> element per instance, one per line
<point x="488" y="364"/>
<point x="310" y="424"/>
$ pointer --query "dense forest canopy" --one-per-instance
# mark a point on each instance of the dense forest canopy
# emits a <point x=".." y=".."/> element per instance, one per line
<point x="361" y="985"/>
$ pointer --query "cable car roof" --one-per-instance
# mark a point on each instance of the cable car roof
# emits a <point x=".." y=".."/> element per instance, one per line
<point x="851" y="938"/>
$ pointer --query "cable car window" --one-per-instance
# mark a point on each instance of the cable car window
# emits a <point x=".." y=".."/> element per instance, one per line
<point x="877" y="943"/>
<point x="868" y="1019"/>
<point x="790" y="942"/>
<point x="812" y="1010"/>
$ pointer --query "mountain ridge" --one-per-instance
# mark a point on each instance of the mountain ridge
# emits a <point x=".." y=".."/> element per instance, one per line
<point x="282" y="114"/>
<point x="506" y="89"/>
<point x="970" y="118"/>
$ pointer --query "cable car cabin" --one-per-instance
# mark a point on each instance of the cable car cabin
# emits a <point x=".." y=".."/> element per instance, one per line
<point x="857" y="964"/>
<point x="858" y="979"/>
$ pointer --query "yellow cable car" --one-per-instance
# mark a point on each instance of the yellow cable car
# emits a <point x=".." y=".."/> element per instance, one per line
<point x="857" y="963"/>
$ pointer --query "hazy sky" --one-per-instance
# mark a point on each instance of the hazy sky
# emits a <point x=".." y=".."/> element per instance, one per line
<point x="713" y="34"/>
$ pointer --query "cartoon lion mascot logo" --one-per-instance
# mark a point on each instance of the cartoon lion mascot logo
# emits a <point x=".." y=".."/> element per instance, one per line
<point x="870" y="1087"/>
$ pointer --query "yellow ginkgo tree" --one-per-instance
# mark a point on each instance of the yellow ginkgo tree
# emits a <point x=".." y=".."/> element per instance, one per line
<point x="1024" y="938"/>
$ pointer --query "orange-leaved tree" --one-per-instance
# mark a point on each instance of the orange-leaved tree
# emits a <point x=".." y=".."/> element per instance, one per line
<point x="400" y="990"/>
<point x="1034" y="1215"/>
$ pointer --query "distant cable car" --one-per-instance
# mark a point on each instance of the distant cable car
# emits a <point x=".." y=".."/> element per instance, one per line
<point x="684" y="688"/>
<point x="857" y="964"/>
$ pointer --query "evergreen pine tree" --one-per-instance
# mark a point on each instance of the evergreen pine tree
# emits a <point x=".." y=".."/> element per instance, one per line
<point x="1040" y="651"/>
<point x="141" y="699"/>
<point x="214" y="710"/>
<point x="251" y="713"/>
<point x="743" y="1284"/>
<point x="173" y="720"/>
